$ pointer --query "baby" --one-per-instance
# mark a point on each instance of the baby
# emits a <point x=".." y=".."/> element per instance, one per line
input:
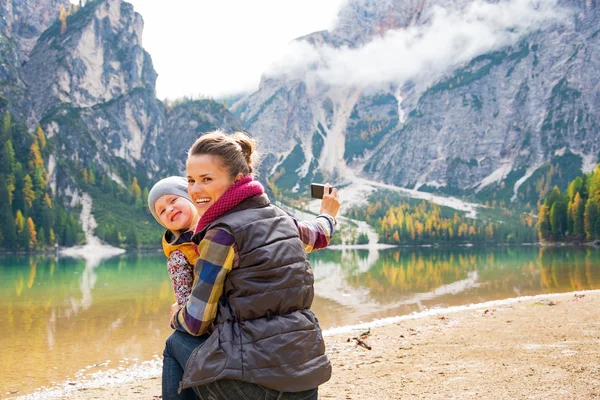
<point x="172" y="207"/>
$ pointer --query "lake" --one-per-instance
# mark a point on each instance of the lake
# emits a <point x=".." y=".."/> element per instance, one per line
<point x="62" y="317"/>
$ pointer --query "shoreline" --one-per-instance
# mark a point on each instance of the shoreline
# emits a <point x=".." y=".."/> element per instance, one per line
<point x="429" y="337"/>
<point x="80" y="251"/>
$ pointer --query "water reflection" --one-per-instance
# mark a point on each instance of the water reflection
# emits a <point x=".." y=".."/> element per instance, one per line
<point x="58" y="315"/>
<point x="362" y="285"/>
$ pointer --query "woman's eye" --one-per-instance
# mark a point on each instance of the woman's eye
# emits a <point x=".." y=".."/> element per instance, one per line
<point x="206" y="179"/>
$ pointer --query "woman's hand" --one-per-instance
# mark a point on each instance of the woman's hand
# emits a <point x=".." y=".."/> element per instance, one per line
<point x="330" y="204"/>
<point x="174" y="308"/>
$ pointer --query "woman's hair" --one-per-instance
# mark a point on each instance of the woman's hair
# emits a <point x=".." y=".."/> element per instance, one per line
<point x="237" y="151"/>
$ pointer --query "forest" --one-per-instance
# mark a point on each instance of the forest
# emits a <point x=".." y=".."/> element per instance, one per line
<point x="400" y="220"/>
<point x="36" y="218"/>
<point x="32" y="218"/>
<point x="571" y="216"/>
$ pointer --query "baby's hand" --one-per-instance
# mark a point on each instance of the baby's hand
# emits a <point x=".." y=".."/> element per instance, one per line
<point x="174" y="308"/>
<point x="330" y="203"/>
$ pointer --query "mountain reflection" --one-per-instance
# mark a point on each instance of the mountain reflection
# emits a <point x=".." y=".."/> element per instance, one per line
<point x="61" y="315"/>
<point x="367" y="283"/>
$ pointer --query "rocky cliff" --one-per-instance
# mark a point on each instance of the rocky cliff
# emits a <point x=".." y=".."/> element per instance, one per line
<point x="489" y="122"/>
<point x="82" y="74"/>
<point x="91" y="86"/>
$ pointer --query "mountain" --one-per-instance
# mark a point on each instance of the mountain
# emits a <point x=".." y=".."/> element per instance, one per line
<point x="188" y="119"/>
<point x="82" y="75"/>
<point x="505" y="124"/>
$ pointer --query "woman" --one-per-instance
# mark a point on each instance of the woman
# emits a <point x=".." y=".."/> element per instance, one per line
<point x="253" y="290"/>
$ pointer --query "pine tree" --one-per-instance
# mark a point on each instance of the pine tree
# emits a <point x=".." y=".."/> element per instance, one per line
<point x="28" y="193"/>
<point x="554" y="196"/>
<point x="135" y="188"/>
<point x="6" y="126"/>
<point x="10" y="186"/>
<point x="575" y="187"/>
<point x="594" y="184"/>
<point x="7" y="222"/>
<point x="558" y="219"/>
<point x="578" y="217"/>
<point x="31" y="234"/>
<point x="47" y="200"/>
<point x="39" y="181"/>
<point x="40" y="137"/>
<point x="18" y="202"/>
<point x="35" y="158"/>
<point x="7" y="158"/>
<point x="543" y="224"/>
<point x="589" y="219"/>
<point x="41" y="238"/>
<point x="19" y="222"/>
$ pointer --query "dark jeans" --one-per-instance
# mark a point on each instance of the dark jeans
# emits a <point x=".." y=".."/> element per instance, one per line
<point x="178" y="349"/>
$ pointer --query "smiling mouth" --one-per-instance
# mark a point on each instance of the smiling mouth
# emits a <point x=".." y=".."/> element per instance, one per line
<point x="175" y="216"/>
<point x="200" y="202"/>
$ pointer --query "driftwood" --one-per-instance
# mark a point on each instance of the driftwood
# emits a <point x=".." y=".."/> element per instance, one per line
<point x="359" y="339"/>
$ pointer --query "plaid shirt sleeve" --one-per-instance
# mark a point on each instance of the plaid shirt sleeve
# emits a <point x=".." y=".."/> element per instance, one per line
<point x="317" y="233"/>
<point x="217" y="254"/>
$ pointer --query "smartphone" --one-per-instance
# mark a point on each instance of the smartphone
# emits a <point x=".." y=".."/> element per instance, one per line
<point x="317" y="190"/>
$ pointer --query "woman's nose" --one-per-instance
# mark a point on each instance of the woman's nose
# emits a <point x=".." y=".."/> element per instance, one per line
<point x="195" y="188"/>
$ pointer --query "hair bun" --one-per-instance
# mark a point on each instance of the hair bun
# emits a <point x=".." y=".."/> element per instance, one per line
<point x="236" y="151"/>
<point x="248" y="146"/>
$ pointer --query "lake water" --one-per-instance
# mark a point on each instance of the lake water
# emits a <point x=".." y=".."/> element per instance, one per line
<point x="62" y="316"/>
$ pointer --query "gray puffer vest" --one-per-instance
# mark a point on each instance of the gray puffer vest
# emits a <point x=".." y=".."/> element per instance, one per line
<point x="265" y="332"/>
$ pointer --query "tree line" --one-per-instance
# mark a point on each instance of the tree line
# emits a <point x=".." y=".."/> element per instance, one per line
<point x="574" y="215"/>
<point x="401" y="221"/>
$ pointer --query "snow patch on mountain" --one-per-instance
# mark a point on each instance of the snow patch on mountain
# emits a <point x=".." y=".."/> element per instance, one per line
<point x="522" y="180"/>
<point x="497" y="176"/>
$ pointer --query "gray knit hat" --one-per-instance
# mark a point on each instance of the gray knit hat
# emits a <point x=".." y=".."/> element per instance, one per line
<point x="176" y="185"/>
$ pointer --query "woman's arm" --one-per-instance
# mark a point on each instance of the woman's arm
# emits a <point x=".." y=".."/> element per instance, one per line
<point x="317" y="233"/>
<point x="180" y="272"/>
<point x="217" y="254"/>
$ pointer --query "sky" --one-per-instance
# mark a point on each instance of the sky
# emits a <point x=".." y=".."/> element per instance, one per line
<point x="218" y="48"/>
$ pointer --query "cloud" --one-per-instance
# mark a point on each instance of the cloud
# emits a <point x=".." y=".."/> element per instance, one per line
<point x="218" y="48"/>
<point x="448" y="38"/>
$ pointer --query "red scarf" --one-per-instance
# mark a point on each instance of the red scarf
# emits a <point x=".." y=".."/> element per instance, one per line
<point x="241" y="190"/>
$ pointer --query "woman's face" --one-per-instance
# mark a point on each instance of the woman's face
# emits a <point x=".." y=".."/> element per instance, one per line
<point x="207" y="180"/>
<point x="175" y="212"/>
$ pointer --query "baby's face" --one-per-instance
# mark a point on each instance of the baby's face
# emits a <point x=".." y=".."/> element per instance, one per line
<point x="175" y="212"/>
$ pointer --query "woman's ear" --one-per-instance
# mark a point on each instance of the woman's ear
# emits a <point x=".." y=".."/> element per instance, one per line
<point x="238" y="177"/>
